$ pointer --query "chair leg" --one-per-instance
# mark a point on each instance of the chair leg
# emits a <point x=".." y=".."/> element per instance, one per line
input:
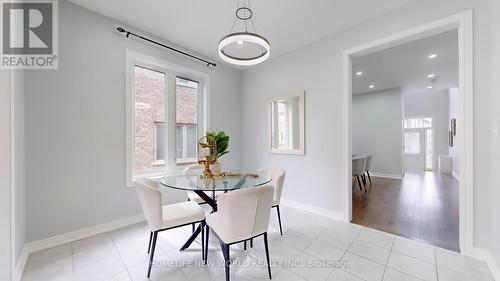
<point x="203" y="241"/>
<point x="207" y="234"/>
<point x="267" y="255"/>
<point x="150" y="239"/>
<point x="193" y="226"/>
<point x="227" y="261"/>
<point x="279" y="218"/>
<point x="151" y="256"/>
<point x="245" y="245"/>
<point x="251" y="242"/>
<point x="369" y="178"/>
<point x="359" y="184"/>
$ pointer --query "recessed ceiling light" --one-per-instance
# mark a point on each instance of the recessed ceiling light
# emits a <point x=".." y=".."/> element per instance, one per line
<point x="430" y="76"/>
<point x="240" y="42"/>
<point x="433" y="56"/>
<point x="430" y="87"/>
<point x="371" y="86"/>
<point x="359" y="73"/>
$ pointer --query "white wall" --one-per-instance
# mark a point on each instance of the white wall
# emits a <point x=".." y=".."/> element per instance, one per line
<point x="454" y="113"/>
<point x="376" y="129"/>
<point x="5" y="176"/>
<point x="314" y="178"/>
<point x="19" y="163"/>
<point x="76" y="125"/>
<point x="431" y="104"/>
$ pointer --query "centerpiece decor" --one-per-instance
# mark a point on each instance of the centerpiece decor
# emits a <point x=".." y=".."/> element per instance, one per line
<point x="210" y="148"/>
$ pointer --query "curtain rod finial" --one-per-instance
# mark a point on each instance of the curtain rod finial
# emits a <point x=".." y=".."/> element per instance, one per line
<point x="120" y="29"/>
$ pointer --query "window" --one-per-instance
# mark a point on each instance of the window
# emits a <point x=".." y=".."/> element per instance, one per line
<point x="416" y="127"/>
<point x="164" y="112"/>
<point x="428" y="150"/>
<point x="417" y="123"/>
<point x="149" y="137"/>
<point x="187" y="120"/>
<point x="160" y="142"/>
<point x="412" y="142"/>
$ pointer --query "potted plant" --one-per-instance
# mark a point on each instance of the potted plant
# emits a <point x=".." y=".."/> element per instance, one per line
<point x="222" y="144"/>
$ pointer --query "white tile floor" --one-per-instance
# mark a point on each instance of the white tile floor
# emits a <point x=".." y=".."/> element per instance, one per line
<point x="310" y="249"/>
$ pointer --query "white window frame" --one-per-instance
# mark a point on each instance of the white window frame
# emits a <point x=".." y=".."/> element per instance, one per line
<point x="171" y="70"/>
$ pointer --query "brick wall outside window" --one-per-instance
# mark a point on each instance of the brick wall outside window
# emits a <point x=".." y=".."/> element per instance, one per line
<point x="150" y="112"/>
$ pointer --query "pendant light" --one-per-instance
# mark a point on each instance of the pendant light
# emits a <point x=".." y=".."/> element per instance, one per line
<point x="244" y="38"/>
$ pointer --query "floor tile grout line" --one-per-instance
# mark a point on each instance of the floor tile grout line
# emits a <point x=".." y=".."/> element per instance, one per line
<point x="121" y="258"/>
<point x="72" y="258"/>
<point x="406" y="255"/>
<point x="435" y="261"/>
<point x="405" y="273"/>
<point x="387" y="261"/>
<point x="352" y="274"/>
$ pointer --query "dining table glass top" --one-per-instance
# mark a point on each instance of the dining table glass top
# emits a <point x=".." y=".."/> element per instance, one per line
<point x="237" y="179"/>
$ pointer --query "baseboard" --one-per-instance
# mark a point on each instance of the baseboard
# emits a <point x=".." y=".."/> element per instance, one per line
<point x="455" y="175"/>
<point x="490" y="260"/>
<point x="388" y="176"/>
<point x="20" y="264"/>
<point x="61" y="239"/>
<point x="312" y="209"/>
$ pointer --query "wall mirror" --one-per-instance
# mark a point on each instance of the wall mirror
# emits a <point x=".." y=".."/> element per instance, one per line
<point x="286" y="124"/>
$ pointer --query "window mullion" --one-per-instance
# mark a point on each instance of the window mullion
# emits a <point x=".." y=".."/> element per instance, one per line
<point x="171" y="122"/>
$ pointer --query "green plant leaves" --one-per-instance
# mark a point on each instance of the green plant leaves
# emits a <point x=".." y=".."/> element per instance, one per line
<point x="222" y="141"/>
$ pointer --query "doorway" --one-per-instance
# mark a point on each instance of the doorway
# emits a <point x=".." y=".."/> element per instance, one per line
<point x="462" y="22"/>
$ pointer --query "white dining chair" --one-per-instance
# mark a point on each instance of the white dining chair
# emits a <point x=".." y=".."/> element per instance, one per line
<point x="358" y="170"/>
<point x="368" y="168"/>
<point x="164" y="217"/>
<point x="242" y="215"/>
<point x="277" y="181"/>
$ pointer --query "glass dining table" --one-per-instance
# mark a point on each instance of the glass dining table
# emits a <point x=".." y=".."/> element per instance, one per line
<point x="206" y="188"/>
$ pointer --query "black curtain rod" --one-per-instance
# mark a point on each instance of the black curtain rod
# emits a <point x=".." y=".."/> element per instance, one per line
<point x="128" y="33"/>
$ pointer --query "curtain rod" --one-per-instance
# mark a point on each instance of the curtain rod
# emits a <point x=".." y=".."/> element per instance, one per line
<point x="128" y="33"/>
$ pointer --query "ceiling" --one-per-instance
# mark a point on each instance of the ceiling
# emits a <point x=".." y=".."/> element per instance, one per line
<point x="198" y="25"/>
<point x="408" y="65"/>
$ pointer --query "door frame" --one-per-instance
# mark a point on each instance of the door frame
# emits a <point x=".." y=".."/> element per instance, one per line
<point x="463" y="22"/>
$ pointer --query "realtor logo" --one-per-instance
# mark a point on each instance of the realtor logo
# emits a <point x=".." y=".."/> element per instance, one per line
<point x="29" y="34"/>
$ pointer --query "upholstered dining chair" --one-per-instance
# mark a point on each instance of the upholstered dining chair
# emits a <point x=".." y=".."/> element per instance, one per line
<point x="164" y="217"/>
<point x="277" y="181"/>
<point x="242" y="215"/>
<point x="358" y="170"/>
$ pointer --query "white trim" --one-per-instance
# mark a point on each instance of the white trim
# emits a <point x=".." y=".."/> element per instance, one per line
<point x="12" y="177"/>
<point x="20" y="264"/>
<point x="81" y="234"/>
<point x="54" y="241"/>
<point x="490" y="260"/>
<point x="312" y="209"/>
<point x="171" y="71"/>
<point x="464" y="23"/>
<point x="301" y="149"/>
<point x="387" y="176"/>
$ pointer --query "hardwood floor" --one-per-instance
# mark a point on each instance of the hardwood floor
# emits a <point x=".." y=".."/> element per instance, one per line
<point x="422" y="207"/>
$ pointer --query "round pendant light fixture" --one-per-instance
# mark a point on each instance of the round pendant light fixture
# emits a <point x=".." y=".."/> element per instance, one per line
<point x="240" y="39"/>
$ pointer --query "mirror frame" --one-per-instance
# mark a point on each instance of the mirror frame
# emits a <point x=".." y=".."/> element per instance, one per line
<point x="301" y="149"/>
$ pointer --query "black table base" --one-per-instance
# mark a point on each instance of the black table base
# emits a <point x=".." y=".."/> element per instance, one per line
<point x="210" y="201"/>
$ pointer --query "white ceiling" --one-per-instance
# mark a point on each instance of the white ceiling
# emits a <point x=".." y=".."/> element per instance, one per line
<point x="198" y="25"/>
<point x="408" y="65"/>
